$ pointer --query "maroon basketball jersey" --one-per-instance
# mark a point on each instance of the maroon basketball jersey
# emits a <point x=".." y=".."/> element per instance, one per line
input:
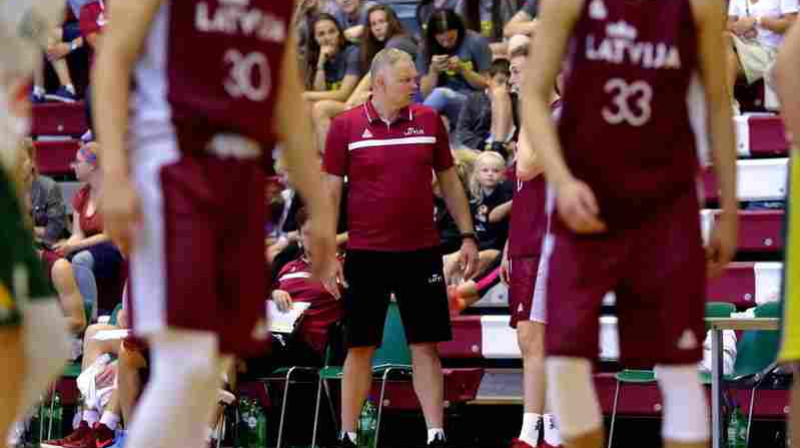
<point x="625" y="126"/>
<point x="528" y="216"/>
<point x="223" y="66"/>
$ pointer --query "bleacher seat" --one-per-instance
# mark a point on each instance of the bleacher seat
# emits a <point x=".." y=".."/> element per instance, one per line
<point x="54" y="157"/>
<point x="760" y="135"/>
<point x="759" y="230"/>
<point x="758" y="180"/>
<point x="59" y="119"/>
<point x="747" y="284"/>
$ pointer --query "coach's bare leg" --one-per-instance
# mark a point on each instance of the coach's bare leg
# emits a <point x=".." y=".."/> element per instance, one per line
<point x="12" y="369"/>
<point x="530" y="336"/>
<point x="356" y="382"/>
<point x="429" y="382"/>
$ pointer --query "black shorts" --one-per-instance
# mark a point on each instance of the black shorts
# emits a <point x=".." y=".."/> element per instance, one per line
<point x="417" y="281"/>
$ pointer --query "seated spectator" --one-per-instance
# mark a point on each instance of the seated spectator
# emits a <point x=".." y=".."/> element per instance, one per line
<point x="43" y="199"/>
<point x="333" y="70"/>
<point x="486" y="120"/>
<point x="452" y="63"/>
<point x="89" y="251"/>
<point x="490" y="204"/>
<point x="426" y="8"/>
<point x="523" y="22"/>
<point x="756" y="31"/>
<point x="304" y="14"/>
<point x="60" y="42"/>
<point x="449" y="234"/>
<point x="306" y="345"/>
<point x="490" y="17"/>
<point x="352" y="16"/>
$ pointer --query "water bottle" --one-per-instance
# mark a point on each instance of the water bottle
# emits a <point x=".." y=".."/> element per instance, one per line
<point x="35" y="434"/>
<point x="246" y="433"/>
<point x="367" y="425"/>
<point x="737" y="429"/>
<point x="54" y="430"/>
<point x="261" y="426"/>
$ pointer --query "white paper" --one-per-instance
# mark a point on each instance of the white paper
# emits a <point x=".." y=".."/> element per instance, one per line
<point x="110" y="335"/>
<point x="280" y="322"/>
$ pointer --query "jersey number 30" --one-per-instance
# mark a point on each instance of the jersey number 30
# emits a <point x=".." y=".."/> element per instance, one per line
<point x="248" y="75"/>
<point x="624" y="95"/>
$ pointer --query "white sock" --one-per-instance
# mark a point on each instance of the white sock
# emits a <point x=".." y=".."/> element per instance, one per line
<point x="530" y="428"/>
<point x="110" y="419"/>
<point x="350" y="435"/>
<point x="38" y="90"/>
<point x="91" y="417"/>
<point x="71" y="88"/>
<point x="433" y="432"/>
<point x="551" y="433"/>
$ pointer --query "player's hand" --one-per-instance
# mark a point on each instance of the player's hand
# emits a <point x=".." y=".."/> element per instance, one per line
<point x="721" y="246"/>
<point x="106" y="377"/>
<point x="744" y="24"/>
<point x="122" y="212"/>
<point x="326" y="266"/>
<point x="468" y="258"/>
<point x="282" y="300"/>
<point x="577" y="207"/>
<point x="505" y="269"/>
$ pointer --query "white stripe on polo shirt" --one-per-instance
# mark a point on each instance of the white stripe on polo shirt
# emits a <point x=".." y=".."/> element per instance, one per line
<point x="391" y="142"/>
<point x="295" y="275"/>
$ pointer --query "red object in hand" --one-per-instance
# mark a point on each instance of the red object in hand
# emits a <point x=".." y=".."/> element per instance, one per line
<point x="456" y="303"/>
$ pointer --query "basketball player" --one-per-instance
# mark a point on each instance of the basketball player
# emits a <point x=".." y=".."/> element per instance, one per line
<point x="187" y="199"/>
<point x="786" y="73"/>
<point x="622" y="164"/>
<point x="33" y="332"/>
<point x="524" y="269"/>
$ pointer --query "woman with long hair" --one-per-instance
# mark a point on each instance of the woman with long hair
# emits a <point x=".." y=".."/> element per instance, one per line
<point x="453" y="63"/>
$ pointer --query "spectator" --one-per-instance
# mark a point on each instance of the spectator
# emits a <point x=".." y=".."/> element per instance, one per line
<point x="756" y="31"/>
<point x="352" y="16"/>
<point x="333" y="70"/>
<point x="523" y="22"/>
<point x="385" y="31"/>
<point x="486" y="120"/>
<point x="451" y="63"/>
<point x="43" y="199"/>
<point x="490" y="208"/>
<point x="488" y="17"/>
<point x="426" y="8"/>
<point x="60" y="42"/>
<point x="304" y="15"/>
<point x="89" y="250"/>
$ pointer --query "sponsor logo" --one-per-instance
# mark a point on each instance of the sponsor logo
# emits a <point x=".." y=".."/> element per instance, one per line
<point x="366" y="134"/>
<point x="597" y="10"/>
<point x="435" y="278"/>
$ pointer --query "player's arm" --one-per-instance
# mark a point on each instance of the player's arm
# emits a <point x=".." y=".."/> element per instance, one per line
<point x="556" y="21"/>
<point x="788" y="82"/>
<point x="709" y="16"/>
<point x="122" y="43"/>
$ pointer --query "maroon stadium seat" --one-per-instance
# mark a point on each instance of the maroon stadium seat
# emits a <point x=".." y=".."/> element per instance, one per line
<point x="54" y="158"/>
<point x="59" y="119"/>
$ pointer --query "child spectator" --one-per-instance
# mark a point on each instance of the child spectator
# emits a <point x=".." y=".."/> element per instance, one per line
<point x="452" y="63"/>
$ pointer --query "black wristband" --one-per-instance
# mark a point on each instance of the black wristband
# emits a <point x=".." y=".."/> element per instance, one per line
<point x="470" y="236"/>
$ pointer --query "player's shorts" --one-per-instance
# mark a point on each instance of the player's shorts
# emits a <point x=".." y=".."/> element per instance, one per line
<point x="417" y="281"/>
<point x="790" y="323"/>
<point x="657" y="269"/>
<point x="526" y="300"/>
<point x="21" y="276"/>
<point x="198" y="260"/>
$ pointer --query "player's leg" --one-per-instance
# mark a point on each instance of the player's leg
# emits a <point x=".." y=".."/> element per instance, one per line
<point x="530" y="337"/>
<point x="422" y="299"/>
<point x="180" y="397"/>
<point x="366" y="302"/>
<point x="12" y="360"/>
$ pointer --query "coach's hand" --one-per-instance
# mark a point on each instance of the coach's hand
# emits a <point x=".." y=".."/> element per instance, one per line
<point x="326" y="266"/>
<point x="122" y="211"/>
<point x="721" y="246"/>
<point x="577" y="207"/>
<point x="468" y="258"/>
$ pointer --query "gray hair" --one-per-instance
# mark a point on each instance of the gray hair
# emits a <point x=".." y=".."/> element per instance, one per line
<point x="387" y="57"/>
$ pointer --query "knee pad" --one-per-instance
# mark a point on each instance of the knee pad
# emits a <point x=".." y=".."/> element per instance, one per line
<point x="570" y="390"/>
<point x="46" y="347"/>
<point x="685" y="408"/>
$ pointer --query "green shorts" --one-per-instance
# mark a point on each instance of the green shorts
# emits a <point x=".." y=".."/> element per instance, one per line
<point x="21" y="276"/>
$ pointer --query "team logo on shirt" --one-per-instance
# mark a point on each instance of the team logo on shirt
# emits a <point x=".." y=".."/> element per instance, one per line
<point x="366" y="134"/>
<point x="234" y="17"/>
<point x="597" y="10"/>
<point x="619" y="46"/>
<point x="414" y="131"/>
<point x="435" y="278"/>
<point x="687" y="340"/>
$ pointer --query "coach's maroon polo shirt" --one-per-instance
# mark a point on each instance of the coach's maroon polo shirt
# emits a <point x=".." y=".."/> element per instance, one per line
<point x="389" y="167"/>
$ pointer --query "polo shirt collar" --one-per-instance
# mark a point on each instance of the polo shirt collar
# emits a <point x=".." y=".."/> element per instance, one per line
<point x="405" y="114"/>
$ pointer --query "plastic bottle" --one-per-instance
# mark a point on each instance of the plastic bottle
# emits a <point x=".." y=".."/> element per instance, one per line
<point x="737" y="429"/>
<point x="367" y="425"/>
<point x="246" y="432"/>
<point x="55" y="430"/>
<point x="260" y="435"/>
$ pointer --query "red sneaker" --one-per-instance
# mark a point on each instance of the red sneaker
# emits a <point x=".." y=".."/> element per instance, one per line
<point x="79" y="433"/>
<point x="103" y="436"/>
<point x="517" y="443"/>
